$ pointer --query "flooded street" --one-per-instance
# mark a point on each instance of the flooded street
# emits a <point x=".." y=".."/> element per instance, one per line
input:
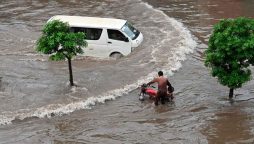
<point x="38" y="106"/>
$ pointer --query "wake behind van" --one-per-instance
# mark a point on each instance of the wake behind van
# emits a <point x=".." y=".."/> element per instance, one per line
<point x="106" y="37"/>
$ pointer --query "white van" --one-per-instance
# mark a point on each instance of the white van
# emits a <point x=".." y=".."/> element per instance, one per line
<point x="106" y="37"/>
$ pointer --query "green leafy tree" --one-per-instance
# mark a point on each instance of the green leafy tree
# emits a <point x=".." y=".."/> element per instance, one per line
<point x="60" y="43"/>
<point x="231" y="51"/>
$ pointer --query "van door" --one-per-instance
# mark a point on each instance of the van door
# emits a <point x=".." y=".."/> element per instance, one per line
<point x="97" y="41"/>
<point x="118" y="42"/>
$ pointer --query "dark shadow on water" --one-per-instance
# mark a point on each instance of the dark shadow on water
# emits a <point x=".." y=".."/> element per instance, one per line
<point x="18" y="120"/>
<point x="163" y="108"/>
<point x="199" y="109"/>
<point x="1" y="85"/>
<point x="231" y="126"/>
<point x="153" y="121"/>
<point x="67" y="142"/>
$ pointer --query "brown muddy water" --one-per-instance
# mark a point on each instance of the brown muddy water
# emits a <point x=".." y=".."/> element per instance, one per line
<point x="38" y="106"/>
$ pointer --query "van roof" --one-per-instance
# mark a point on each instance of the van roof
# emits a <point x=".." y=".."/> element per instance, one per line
<point x="81" y="21"/>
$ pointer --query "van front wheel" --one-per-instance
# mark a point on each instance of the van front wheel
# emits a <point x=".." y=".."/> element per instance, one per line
<point x="116" y="55"/>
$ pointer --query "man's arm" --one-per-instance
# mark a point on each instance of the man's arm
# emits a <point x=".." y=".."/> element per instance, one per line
<point x="170" y="88"/>
<point x="153" y="81"/>
<point x="168" y="83"/>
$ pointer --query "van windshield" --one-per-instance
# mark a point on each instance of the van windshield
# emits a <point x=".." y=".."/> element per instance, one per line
<point x="130" y="31"/>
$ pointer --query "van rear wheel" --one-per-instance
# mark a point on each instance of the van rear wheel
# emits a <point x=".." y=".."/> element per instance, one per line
<point x="116" y="55"/>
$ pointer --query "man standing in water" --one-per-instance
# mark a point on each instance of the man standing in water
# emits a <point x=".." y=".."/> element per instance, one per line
<point x="162" y="87"/>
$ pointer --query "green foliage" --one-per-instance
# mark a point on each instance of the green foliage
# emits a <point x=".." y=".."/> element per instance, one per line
<point x="58" y="41"/>
<point x="231" y="51"/>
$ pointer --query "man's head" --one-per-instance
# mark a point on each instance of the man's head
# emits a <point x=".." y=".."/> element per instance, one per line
<point x="160" y="73"/>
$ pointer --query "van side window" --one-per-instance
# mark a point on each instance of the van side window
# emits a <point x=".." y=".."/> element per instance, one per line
<point x="115" y="35"/>
<point x="91" y="33"/>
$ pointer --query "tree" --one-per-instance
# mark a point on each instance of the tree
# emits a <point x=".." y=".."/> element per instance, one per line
<point x="231" y="51"/>
<point x="60" y="43"/>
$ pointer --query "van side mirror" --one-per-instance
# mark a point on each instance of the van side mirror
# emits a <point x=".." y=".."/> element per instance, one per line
<point x="126" y="39"/>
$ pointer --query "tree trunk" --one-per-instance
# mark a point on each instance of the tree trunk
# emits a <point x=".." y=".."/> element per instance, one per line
<point x="231" y="93"/>
<point x="70" y="72"/>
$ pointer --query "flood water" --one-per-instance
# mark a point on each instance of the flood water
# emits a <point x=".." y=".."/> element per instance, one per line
<point x="38" y="106"/>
